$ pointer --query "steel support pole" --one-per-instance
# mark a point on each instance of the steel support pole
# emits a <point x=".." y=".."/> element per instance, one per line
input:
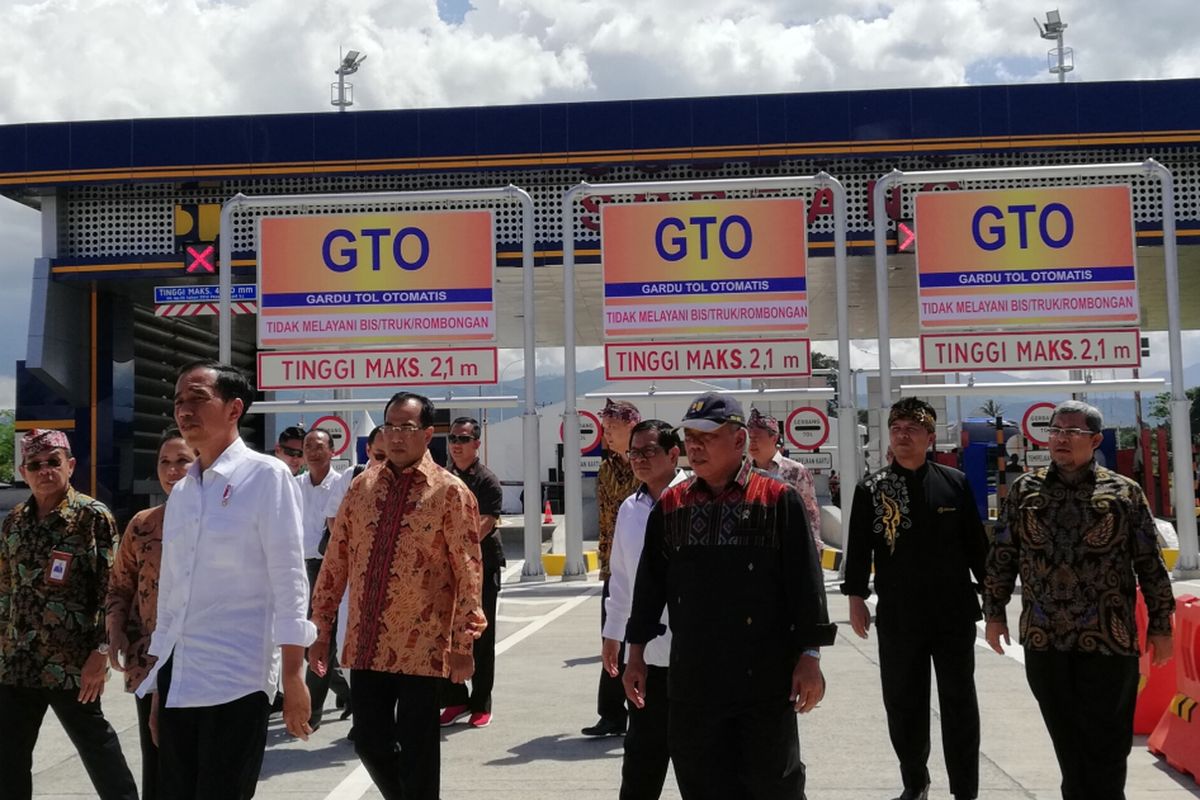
<point x="574" y="568"/>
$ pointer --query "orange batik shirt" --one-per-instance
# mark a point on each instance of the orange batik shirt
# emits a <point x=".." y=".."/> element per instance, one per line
<point x="408" y="547"/>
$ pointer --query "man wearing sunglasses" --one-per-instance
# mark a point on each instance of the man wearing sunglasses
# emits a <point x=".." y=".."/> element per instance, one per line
<point x="916" y="524"/>
<point x="56" y="551"/>
<point x="406" y="544"/>
<point x="290" y="448"/>
<point x="1083" y="540"/>
<point x="483" y="483"/>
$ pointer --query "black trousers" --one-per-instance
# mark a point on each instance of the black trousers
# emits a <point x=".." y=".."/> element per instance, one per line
<point x="210" y="752"/>
<point x="1087" y="702"/>
<point x="904" y="659"/>
<point x="149" y="749"/>
<point x="647" y="753"/>
<point x="396" y="732"/>
<point x="610" y="697"/>
<point x="318" y="685"/>
<point x="479" y="699"/>
<point x="748" y="752"/>
<point x="21" y="714"/>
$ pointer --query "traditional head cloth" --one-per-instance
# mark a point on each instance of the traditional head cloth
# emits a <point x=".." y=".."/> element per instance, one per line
<point x="762" y="421"/>
<point x="620" y="409"/>
<point x="41" y="440"/>
<point x="918" y="411"/>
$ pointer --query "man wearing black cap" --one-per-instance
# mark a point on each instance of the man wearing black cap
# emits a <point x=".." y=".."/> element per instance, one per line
<point x="917" y="523"/>
<point x="729" y="553"/>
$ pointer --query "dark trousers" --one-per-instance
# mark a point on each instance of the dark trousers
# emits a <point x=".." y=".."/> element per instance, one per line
<point x="149" y="749"/>
<point x="21" y="714"/>
<point x="396" y="732"/>
<point x="647" y="753"/>
<point x="610" y="697"/>
<point x="748" y="752"/>
<point x="904" y="659"/>
<point x="319" y="685"/>
<point x="1087" y="702"/>
<point x="210" y="752"/>
<point x="479" y="700"/>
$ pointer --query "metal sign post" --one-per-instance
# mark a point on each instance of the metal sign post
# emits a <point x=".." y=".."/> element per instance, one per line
<point x="1188" y="565"/>
<point x="532" y="569"/>
<point x="847" y="415"/>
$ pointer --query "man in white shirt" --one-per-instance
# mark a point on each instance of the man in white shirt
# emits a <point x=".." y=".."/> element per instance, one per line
<point x="654" y="455"/>
<point x="317" y="485"/>
<point x="232" y="595"/>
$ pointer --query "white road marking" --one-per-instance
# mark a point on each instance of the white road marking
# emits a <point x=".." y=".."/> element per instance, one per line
<point x="358" y="782"/>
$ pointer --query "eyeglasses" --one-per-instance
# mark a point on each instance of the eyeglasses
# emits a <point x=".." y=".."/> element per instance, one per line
<point x="456" y="438"/>
<point x="291" y="451"/>
<point x="36" y="466"/>
<point x="646" y="453"/>
<point x="393" y="430"/>
<point x="1054" y="430"/>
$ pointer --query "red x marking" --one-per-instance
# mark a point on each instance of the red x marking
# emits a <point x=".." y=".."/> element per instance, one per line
<point x="199" y="259"/>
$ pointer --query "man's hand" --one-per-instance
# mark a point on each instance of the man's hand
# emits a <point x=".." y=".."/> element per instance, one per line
<point x="462" y="667"/>
<point x="318" y="656"/>
<point x="154" y="718"/>
<point x="860" y="616"/>
<point x="634" y="679"/>
<point x="610" y="655"/>
<point x="1161" y="647"/>
<point x="95" y="673"/>
<point x="993" y="633"/>
<point x="808" y="684"/>
<point x="297" y="707"/>
<point x="118" y="648"/>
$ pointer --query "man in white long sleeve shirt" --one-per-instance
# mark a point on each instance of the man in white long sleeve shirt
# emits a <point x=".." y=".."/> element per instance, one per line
<point x="654" y="457"/>
<point x="232" y="595"/>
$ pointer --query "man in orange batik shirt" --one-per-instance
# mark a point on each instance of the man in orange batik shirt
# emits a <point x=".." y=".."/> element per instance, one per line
<point x="406" y="541"/>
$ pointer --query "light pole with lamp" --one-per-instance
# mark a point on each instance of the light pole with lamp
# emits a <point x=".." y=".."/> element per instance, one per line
<point x="342" y="92"/>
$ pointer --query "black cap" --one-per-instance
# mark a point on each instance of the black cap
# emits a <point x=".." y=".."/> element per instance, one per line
<point x="711" y="410"/>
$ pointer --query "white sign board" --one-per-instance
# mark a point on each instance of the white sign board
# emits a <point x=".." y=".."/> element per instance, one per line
<point x="980" y="352"/>
<point x="338" y="430"/>
<point x="317" y="369"/>
<point x="726" y="358"/>
<point x="1035" y="459"/>
<point x="815" y="460"/>
<point x="807" y="427"/>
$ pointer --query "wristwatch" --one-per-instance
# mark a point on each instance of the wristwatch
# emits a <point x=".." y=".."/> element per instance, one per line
<point x="102" y="649"/>
<point x="812" y="653"/>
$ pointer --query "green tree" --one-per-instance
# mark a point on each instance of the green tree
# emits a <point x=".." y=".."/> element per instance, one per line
<point x="7" y="467"/>
<point x="990" y="408"/>
<point x="822" y="361"/>
<point x="1160" y="408"/>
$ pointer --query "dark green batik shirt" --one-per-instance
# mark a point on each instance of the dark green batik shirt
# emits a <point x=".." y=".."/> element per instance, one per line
<point x="1082" y="549"/>
<point x="51" y="616"/>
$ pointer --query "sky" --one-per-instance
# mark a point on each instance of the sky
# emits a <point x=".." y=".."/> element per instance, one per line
<point x="116" y="59"/>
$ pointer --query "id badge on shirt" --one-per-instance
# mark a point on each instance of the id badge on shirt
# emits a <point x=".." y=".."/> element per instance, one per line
<point x="59" y="567"/>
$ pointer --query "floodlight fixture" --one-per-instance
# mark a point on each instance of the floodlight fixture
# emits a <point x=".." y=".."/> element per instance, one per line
<point x="341" y="92"/>
<point x="1061" y="60"/>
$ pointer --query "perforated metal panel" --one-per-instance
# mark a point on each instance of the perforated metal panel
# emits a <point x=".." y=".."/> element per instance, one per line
<point x="137" y="219"/>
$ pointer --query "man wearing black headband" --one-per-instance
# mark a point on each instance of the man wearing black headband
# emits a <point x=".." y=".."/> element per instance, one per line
<point x="916" y="522"/>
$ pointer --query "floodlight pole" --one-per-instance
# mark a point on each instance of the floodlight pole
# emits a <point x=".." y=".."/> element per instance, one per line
<point x="532" y="569"/>
<point x="574" y="568"/>
<point x="1188" y="565"/>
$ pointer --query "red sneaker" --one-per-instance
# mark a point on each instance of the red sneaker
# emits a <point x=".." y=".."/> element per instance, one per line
<point x="453" y="714"/>
<point x="481" y="719"/>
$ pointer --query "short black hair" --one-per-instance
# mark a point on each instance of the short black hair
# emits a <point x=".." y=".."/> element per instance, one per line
<point x="404" y="397"/>
<point x="668" y="437"/>
<point x="230" y="384"/>
<point x="328" y="435"/>
<point x="292" y="432"/>
<point x="373" y="435"/>
<point x="474" y="423"/>
<point x="167" y="435"/>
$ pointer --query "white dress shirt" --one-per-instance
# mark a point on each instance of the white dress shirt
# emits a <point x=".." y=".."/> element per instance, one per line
<point x="316" y="499"/>
<point x="628" y="539"/>
<point x="232" y="587"/>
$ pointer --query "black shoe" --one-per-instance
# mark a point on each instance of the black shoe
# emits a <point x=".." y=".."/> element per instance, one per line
<point x="350" y="735"/>
<point x="915" y="794"/>
<point x="346" y="712"/>
<point x="342" y="701"/>
<point x="605" y="727"/>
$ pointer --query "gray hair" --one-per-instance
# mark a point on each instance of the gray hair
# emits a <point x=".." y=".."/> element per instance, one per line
<point x="1095" y="420"/>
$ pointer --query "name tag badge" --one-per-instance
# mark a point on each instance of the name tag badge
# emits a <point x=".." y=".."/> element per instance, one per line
<point x="60" y="567"/>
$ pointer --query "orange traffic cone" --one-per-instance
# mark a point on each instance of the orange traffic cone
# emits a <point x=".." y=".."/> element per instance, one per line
<point x="547" y="515"/>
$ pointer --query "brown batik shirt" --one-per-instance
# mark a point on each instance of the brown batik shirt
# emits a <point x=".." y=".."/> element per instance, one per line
<point x="132" y="604"/>
<point x="1081" y="549"/>
<point x="50" y="623"/>
<point x="408" y="546"/>
<point x="614" y="482"/>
